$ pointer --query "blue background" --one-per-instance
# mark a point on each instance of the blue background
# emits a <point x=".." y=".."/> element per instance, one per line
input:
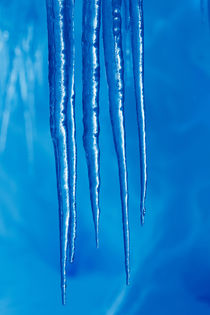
<point x="170" y="255"/>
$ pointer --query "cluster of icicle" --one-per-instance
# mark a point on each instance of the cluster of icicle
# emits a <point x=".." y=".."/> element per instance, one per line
<point x="61" y="38"/>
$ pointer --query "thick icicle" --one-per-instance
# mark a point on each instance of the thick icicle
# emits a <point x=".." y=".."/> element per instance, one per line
<point x="60" y="15"/>
<point x="137" y="28"/>
<point x="91" y="85"/>
<point x="115" y="75"/>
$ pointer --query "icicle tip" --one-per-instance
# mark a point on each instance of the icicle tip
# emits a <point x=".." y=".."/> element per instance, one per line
<point x="143" y="216"/>
<point x="97" y="241"/>
<point x="63" y="293"/>
<point x="128" y="276"/>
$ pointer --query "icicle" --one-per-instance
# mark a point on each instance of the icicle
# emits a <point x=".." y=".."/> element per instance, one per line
<point x="137" y="28"/>
<point x="91" y="85"/>
<point x="115" y="76"/>
<point x="60" y="15"/>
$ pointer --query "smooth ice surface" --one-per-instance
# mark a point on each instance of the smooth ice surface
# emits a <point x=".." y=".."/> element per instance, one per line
<point x="170" y="255"/>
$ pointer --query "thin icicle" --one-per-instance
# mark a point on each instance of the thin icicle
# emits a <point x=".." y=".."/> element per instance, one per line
<point x="91" y="85"/>
<point x="60" y="15"/>
<point x="115" y="75"/>
<point x="137" y="28"/>
<point x="72" y="153"/>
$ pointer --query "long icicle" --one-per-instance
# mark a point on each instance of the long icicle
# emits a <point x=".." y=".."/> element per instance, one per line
<point x="91" y="86"/>
<point x="72" y="150"/>
<point x="137" y="28"/>
<point x="115" y="75"/>
<point x="60" y="14"/>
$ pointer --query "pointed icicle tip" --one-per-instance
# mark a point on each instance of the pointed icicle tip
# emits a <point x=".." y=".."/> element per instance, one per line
<point x="128" y="278"/>
<point x="90" y="98"/>
<point x="143" y="216"/>
<point x="71" y="258"/>
<point x="97" y="231"/>
<point x="114" y="62"/>
<point x="63" y="293"/>
<point x="60" y="17"/>
<point x="97" y="241"/>
<point x="137" y="30"/>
